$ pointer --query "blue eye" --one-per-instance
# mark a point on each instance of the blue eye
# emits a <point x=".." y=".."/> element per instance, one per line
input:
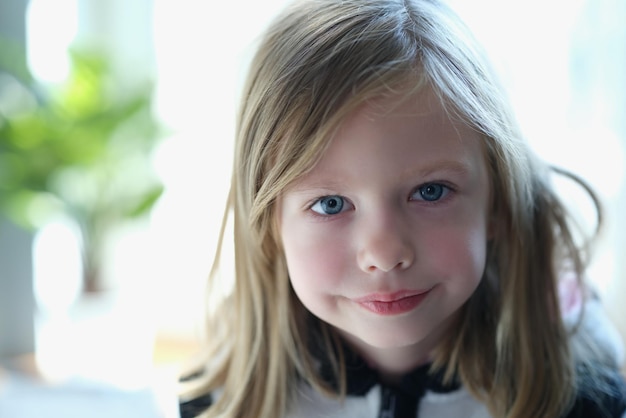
<point x="328" y="205"/>
<point x="430" y="192"/>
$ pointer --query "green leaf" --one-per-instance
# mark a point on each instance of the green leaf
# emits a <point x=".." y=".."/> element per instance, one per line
<point x="146" y="203"/>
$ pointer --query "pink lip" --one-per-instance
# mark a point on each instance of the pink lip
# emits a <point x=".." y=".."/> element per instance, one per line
<point x="393" y="303"/>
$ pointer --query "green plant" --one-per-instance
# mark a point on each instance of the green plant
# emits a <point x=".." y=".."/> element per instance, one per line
<point x="81" y="149"/>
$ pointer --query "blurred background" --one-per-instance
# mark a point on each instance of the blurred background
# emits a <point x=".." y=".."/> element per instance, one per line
<point x="116" y="134"/>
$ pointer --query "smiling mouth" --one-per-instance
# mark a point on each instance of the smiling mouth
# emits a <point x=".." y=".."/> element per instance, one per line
<point x="393" y="303"/>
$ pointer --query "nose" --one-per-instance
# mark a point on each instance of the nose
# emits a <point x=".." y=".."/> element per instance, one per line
<point x="384" y="244"/>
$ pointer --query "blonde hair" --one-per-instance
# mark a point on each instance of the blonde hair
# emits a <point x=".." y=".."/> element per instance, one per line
<point x="318" y="61"/>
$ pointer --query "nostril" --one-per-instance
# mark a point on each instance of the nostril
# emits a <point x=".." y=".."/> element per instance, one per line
<point x="384" y="252"/>
<point x="400" y="265"/>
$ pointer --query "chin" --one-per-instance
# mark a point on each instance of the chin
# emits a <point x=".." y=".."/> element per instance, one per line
<point x="396" y="339"/>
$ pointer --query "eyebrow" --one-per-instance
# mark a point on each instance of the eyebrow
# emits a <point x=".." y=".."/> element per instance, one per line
<point x="454" y="167"/>
<point x="449" y="166"/>
<point x="302" y="186"/>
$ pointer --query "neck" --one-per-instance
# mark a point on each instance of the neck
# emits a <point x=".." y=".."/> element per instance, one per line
<point x="393" y="364"/>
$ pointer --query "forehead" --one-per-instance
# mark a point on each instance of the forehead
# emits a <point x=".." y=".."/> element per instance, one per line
<point x="415" y="129"/>
<point x="420" y="112"/>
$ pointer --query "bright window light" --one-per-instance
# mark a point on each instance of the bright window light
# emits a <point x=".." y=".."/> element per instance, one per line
<point x="51" y="28"/>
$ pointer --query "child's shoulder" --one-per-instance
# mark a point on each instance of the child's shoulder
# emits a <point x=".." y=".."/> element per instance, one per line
<point x="603" y="395"/>
<point x="194" y="407"/>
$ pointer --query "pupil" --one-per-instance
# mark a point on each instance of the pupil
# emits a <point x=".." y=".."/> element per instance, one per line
<point x="332" y="205"/>
<point x="432" y="192"/>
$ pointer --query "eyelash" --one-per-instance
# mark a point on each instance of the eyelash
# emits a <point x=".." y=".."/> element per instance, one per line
<point x="444" y="192"/>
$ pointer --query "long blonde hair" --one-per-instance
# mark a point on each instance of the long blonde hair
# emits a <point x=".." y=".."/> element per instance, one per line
<point x="318" y="61"/>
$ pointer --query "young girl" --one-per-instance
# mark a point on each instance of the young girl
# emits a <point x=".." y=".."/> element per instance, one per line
<point x="398" y="248"/>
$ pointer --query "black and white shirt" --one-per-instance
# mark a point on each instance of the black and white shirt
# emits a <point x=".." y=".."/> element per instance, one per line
<point x="420" y="394"/>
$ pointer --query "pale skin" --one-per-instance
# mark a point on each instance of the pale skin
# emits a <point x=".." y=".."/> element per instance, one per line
<point x="385" y="238"/>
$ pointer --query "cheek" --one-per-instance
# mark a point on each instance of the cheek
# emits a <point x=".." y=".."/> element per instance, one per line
<point x="459" y="252"/>
<point x="316" y="261"/>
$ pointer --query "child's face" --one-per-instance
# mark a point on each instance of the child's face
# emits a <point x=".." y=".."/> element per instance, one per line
<point x="385" y="238"/>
